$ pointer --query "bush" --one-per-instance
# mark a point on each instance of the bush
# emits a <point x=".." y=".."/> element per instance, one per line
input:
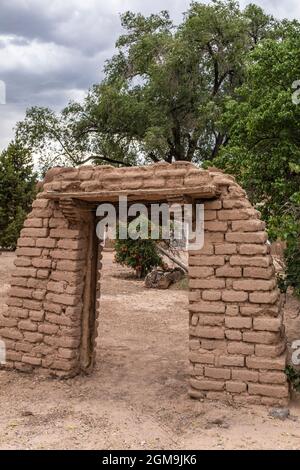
<point x="140" y="255"/>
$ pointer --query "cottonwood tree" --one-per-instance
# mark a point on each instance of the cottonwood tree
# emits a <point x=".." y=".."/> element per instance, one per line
<point x="163" y="92"/>
<point x="264" y="148"/>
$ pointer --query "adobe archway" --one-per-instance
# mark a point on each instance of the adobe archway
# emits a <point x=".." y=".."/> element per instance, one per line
<point x="237" y="345"/>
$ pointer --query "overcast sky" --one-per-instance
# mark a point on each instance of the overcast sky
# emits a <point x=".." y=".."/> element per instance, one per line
<point x="51" y="51"/>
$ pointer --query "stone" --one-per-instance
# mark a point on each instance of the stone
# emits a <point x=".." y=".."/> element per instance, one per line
<point x="279" y="413"/>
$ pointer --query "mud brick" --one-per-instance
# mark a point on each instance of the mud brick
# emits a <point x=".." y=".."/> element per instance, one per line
<point x="272" y="377"/>
<point x="246" y="237"/>
<point x="259" y="273"/>
<point x="225" y="249"/>
<point x="245" y="375"/>
<point x="234" y="296"/>
<point x="252" y="249"/>
<point x="236" y="387"/>
<point x="278" y="391"/>
<point x="197" y="357"/>
<point x="34" y="232"/>
<point x="228" y="271"/>
<point x="267" y="324"/>
<point x="260" y="261"/>
<point x="262" y="337"/>
<point x="35" y="361"/>
<point x="217" y="373"/>
<point x="264" y="297"/>
<point x="248" y="226"/>
<point x="278" y="363"/>
<point x="33" y="337"/>
<point x="27" y="325"/>
<point x="26" y="241"/>
<point x="270" y="350"/>
<point x="239" y="347"/>
<point x="24" y="272"/>
<point x="254" y="285"/>
<point x="45" y="242"/>
<point x="209" y="332"/>
<point x="65" y="233"/>
<point x="238" y="322"/>
<point x="231" y="361"/>
<point x="233" y="335"/>
<point x="207" y="283"/>
<point x="213" y="205"/>
<point x="48" y="329"/>
<point x="11" y="333"/>
<point x="204" y="384"/>
<point x="215" y="226"/>
<point x="207" y="307"/>
<point x="211" y="295"/>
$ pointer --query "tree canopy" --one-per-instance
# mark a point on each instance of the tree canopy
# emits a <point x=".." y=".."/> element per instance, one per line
<point x="163" y="92"/>
<point x="17" y="190"/>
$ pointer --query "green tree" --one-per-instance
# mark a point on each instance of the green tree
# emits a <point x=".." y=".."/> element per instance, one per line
<point x="163" y="93"/>
<point x="17" y="190"/>
<point x="264" y="148"/>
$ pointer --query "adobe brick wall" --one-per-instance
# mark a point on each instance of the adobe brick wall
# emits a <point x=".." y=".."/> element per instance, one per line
<point x="237" y="345"/>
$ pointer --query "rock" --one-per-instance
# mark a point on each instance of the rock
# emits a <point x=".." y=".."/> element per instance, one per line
<point x="279" y="413"/>
<point x="159" y="279"/>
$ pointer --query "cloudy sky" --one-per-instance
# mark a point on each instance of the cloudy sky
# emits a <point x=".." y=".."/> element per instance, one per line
<point x="51" y="51"/>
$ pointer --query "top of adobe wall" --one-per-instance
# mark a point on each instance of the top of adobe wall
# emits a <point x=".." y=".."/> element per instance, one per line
<point x="160" y="179"/>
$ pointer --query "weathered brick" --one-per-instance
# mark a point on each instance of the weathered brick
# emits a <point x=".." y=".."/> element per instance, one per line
<point x="245" y="375"/>
<point x="35" y="361"/>
<point x="65" y="233"/>
<point x="278" y="363"/>
<point x="233" y="214"/>
<point x="228" y="271"/>
<point x="207" y="307"/>
<point x="45" y="242"/>
<point x="201" y="358"/>
<point x="264" y="297"/>
<point x="279" y="391"/>
<point x="203" y="384"/>
<point x="34" y="232"/>
<point x="259" y="273"/>
<point x="239" y="347"/>
<point x="236" y="387"/>
<point x="211" y="320"/>
<point x="235" y="361"/>
<point x="254" y="285"/>
<point x="20" y="292"/>
<point x="63" y="299"/>
<point x="207" y="260"/>
<point x="27" y="325"/>
<point x="48" y="329"/>
<point x="267" y="324"/>
<point x="209" y="332"/>
<point x="263" y="337"/>
<point x="233" y="335"/>
<point x="32" y="304"/>
<point x="209" y="214"/>
<point x="270" y="350"/>
<point x="246" y="237"/>
<point x="272" y="377"/>
<point x="234" y="296"/>
<point x="255" y="225"/>
<point x="213" y="205"/>
<point x="215" y="226"/>
<point x="26" y="241"/>
<point x="207" y="283"/>
<point x="33" y="222"/>
<point x="253" y="249"/>
<point x="41" y="263"/>
<point x="211" y="295"/>
<point x="217" y="373"/>
<point x="238" y="322"/>
<point x="33" y="337"/>
<point x="260" y="261"/>
<point x="67" y="265"/>
<point x="225" y="249"/>
<point x="24" y="272"/>
<point x="11" y="333"/>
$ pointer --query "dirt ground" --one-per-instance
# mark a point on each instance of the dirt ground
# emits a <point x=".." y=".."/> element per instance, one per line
<point x="137" y="396"/>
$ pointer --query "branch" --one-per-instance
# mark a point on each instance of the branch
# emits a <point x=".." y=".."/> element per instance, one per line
<point x="172" y="258"/>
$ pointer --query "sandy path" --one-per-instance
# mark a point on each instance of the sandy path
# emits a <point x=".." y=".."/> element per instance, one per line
<point x="136" y="397"/>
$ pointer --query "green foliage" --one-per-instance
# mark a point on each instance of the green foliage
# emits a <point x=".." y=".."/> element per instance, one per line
<point x="141" y="253"/>
<point x="163" y="93"/>
<point x="17" y="190"/>
<point x="264" y="151"/>
<point x="293" y="376"/>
